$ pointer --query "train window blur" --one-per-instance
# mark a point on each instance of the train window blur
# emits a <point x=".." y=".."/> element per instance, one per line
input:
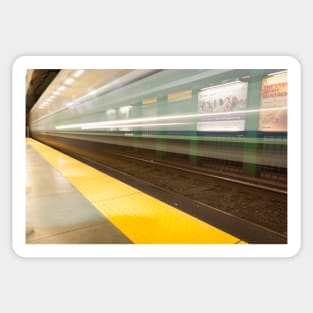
<point x="237" y="115"/>
<point x="124" y="113"/>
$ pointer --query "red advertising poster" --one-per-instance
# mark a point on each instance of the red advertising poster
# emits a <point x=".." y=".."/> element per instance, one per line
<point x="273" y="109"/>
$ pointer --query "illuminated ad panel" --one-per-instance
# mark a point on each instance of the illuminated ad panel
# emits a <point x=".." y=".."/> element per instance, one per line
<point x="225" y="102"/>
<point x="274" y="95"/>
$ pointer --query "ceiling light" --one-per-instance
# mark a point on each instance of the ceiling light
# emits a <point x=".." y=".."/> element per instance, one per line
<point x="277" y="73"/>
<point x="221" y="85"/>
<point x="62" y="88"/>
<point x="78" y="73"/>
<point x="69" y="81"/>
<point x="92" y="92"/>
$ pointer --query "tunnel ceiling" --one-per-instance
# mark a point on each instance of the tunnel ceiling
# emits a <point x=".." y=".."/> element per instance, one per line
<point x="38" y="82"/>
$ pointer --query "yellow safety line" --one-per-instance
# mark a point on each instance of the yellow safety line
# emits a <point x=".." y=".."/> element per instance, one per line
<point x="142" y="218"/>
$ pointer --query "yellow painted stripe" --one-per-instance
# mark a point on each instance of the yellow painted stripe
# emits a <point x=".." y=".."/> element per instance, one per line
<point x="180" y="95"/>
<point x="150" y="101"/>
<point x="142" y="218"/>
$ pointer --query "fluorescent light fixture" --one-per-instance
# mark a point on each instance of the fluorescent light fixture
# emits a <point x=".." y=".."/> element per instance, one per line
<point x="61" y="88"/>
<point x="69" y="104"/>
<point x="92" y="92"/>
<point x="277" y="73"/>
<point x="220" y="85"/>
<point x="69" y="81"/>
<point x="116" y="123"/>
<point x="78" y="73"/>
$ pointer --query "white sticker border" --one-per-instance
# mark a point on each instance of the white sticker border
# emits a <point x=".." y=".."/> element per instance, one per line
<point x="22" y="249"/>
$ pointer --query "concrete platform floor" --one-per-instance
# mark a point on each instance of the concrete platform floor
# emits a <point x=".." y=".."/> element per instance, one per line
<point x="57" y="213"/>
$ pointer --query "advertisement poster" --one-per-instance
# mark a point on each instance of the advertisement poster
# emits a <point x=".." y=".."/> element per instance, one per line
<point x="274" y="96"/>
<point x="222" y="106"/>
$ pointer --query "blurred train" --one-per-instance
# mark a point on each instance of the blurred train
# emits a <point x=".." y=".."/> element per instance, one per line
<point x="237" y="116"/>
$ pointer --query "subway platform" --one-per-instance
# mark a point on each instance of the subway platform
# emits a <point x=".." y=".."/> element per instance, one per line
<point x="68" y="201"/>
<point x="57" y="212"/>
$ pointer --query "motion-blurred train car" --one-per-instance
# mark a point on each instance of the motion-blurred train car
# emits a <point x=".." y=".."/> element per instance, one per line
<point x="231" y="116"/>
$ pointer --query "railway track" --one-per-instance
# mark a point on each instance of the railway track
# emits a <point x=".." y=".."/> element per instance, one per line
<point x="202" y="173"/>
